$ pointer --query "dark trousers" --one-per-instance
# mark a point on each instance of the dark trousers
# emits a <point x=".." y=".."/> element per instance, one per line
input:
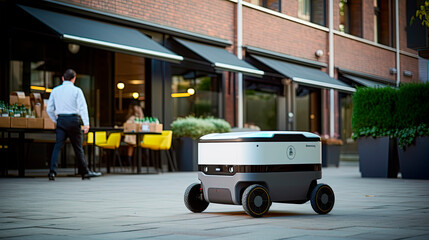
<point x="69" y="126"/>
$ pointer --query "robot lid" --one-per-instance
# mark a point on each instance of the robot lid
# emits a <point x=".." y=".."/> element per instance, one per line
<point x="261" y="136"/>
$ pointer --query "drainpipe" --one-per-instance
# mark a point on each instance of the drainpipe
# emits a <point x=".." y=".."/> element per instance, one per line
<point x="240" y="56"/>
<point x="398" y="63"/>
<point x="331" y="69"/>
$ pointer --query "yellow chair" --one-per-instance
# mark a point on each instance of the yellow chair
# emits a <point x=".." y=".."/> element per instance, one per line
<point x="161" y="142"/>
<point x="112" y="143"/>
<point x="100" y="137"/>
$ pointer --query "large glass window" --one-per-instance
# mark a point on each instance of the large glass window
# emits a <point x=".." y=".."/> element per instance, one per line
<point x="195" y="93"/>
<point x="261" y="106"/>
<point x="312" y="10"/>
<point x="271" y="4"/>
<point x="130" y="82"/>
<point x="308" y="109"/>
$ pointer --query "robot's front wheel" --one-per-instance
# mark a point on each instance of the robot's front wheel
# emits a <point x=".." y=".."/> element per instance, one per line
<point x="256" y="200"/>
<point x="194" y="199"/>
<point x="322" y="199"/>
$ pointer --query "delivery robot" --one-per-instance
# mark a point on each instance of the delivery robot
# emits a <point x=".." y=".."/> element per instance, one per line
<point x="254" y="169"/>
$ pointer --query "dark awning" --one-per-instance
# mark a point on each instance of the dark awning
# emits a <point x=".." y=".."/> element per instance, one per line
<point x="220" y="58"/>
<point x="102" y="35"/>
<point x="304" y="75"/>
<point x="364" y="82"/>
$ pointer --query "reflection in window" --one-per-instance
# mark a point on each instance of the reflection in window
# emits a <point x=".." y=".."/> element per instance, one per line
<point x="312" y="10"/>
<point x="261" y="106"/>
<point x="350" y="17"/>
<point x="195" y="93"/>
<point x="16" y="75"/>
<point x="308" y="109"/>
<point x="270" y="4"/>
<point x="304" y="9"/>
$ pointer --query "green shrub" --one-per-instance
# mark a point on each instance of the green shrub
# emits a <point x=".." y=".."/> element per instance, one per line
<point x="412" y="108"/>
<point x="196" y="127"/>
<point x="402" y="113"/>
<point x="373" y="112"/>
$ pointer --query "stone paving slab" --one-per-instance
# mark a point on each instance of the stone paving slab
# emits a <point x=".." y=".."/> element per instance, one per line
<point x="151" y="207"/>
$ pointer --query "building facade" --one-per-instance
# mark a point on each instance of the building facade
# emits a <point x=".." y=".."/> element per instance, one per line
<point x="178" y="58"/>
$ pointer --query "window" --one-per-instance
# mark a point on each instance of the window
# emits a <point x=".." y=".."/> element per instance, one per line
<point x="308" y="109"/>
<point x="312" y="10"/>
<point x="351" y="17"/>
<point x="195" y="93"/>
<point x="270" y="4"/>
<point x="261" y="105"/>
<point x="383" y="22"/>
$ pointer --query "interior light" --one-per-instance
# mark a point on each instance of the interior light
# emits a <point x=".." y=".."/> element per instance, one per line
<point x="37" y="88"/>
<point x="191" y="91"/>
<point x="120" y="85"/>
<point x="175" y="95"/>
<point x="136" y="95"/>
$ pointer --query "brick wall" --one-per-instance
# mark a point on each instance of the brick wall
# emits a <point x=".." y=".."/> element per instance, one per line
<point x="280" y="35"/>
<point x="215" y="17"/>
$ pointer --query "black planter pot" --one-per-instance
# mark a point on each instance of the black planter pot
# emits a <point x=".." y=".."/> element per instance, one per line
<point x="414" y="160"/>
<point x="330" y="155"/>
<point x="186" y="153"/>
<point x="378" y="157"/>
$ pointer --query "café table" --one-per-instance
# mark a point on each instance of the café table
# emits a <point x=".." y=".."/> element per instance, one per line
<point x="21" y="141"/>
<point x="139" y="136"/>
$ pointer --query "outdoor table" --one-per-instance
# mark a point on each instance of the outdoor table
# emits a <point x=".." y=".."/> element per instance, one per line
<point x="139" y="154"/>
<point x="21" y="138"/>
<point x="98" y="129"/>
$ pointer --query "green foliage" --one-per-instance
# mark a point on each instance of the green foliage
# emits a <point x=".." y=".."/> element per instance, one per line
<point x="373" y="110"/>
<point x="408" y="135"/>
<point x="422" y="14"/>
<point x="196" y="127"/>
<point x="412" y="107"/>
<point x="402" y="113"/>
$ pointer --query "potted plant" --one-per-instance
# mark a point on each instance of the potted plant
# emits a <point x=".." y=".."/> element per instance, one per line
<point x="331" y="148"/>
<point x="187" y="131"/>
<point x="374" y="126"/>
<point x="412" y="114"/>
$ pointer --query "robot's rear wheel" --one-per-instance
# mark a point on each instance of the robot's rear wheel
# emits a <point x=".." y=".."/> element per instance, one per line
<point x="322" y="199"/>
<point x="194" y="199"/>
<point x="256" y="200"/>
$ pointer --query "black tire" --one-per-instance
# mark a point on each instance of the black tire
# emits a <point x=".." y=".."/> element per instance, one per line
<point x="322" y="199"/>
<point x="256" y="200"/>
<point x="194" y="199"/>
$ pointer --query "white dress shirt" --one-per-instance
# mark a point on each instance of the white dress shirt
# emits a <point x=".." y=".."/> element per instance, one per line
<point x="67" y="99"/>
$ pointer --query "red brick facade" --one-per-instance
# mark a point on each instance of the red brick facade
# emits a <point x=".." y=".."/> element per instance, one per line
<point x="217" y="18"/>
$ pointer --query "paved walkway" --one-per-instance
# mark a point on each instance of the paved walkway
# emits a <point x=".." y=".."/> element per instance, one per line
<point x="151" y="207"/>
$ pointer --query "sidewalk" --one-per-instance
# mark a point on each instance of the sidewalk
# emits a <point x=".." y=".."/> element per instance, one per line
<point x="151" y="207"/>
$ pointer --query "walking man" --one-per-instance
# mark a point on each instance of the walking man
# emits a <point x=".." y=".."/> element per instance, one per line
<point x="66" y="107"/>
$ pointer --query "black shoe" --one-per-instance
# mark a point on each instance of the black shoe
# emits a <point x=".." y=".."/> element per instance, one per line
<point x="90" y="174"/>
<point x="51" y="176"/>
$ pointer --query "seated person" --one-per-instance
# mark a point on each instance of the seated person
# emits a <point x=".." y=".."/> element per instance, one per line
<point x="134" y="111"/>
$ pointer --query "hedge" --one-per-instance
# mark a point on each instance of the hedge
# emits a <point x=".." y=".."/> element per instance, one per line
<point x="401" y="113"/>
<point x="374" y="108"/>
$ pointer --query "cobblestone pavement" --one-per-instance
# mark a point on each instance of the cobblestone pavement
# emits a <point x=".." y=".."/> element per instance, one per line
<point x="151" y="206"/>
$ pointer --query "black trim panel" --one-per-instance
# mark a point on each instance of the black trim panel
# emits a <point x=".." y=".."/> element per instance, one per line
<point x="275" y="138"/>
<point x="233" y="169"/>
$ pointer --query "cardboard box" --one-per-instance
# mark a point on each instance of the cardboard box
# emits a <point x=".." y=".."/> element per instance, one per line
<point x="142" y="127"/>
<point x="5" y="122"/>
<point x="18" y="122"/>
<point x="130" y="127"/>
<point x="150" y="127"/>
<point x="35" y="123"/>
<point x="19" y="98"/>
<point x="45" y="114"/>
<point x="48" y="124"/>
